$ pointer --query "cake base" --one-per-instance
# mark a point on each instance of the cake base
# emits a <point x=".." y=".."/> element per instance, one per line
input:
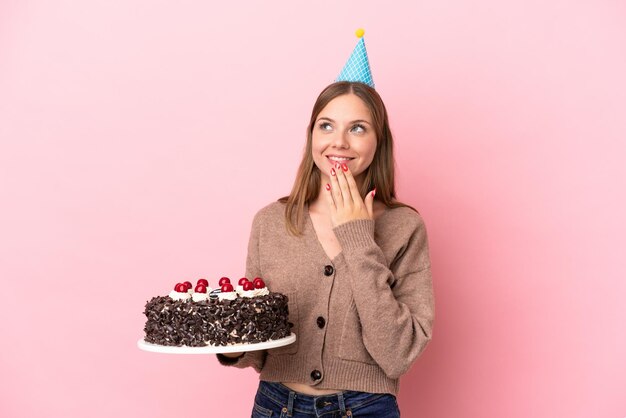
<point x="212" y="349"/>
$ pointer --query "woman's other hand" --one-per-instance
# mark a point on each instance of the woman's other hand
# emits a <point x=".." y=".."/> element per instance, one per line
<point x="343" y="197"/>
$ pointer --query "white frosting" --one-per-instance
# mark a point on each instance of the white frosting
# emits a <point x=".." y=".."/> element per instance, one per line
<point x="179" y="295"/>
<point x="262" y="292"/>
<point x="239" y="289"/>
<point x="227" y="295"/>
<point x="199" y="297"/>
<point x="246" y="293"/>
<point x="256" y="292"/>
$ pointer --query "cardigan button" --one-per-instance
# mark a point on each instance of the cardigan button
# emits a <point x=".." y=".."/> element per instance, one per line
<point x="328" y="270"/>
<point x="316" y="375"/>
<point x="321" y="321"/>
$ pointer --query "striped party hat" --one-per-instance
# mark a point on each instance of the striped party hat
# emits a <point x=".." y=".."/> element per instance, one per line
<point x="358" y="67"/>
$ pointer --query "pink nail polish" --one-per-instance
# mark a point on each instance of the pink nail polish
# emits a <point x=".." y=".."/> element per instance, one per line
<point x="332" y="171"/>
<point x="337" y="166"/>
<point x="327" y="186"/>
<point x="374" y="192"/>
<point x="344" y="167"/>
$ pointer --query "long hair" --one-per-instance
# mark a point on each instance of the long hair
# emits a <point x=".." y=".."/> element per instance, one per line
<point x="379" y="175"/>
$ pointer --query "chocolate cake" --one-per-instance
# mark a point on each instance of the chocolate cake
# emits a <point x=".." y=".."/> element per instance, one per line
<point x="219" y="317"/>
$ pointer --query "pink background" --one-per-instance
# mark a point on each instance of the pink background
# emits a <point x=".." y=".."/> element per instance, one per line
<point x="138" y="138"/>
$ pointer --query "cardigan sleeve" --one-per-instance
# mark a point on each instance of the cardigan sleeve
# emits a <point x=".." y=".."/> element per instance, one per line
<point x="396" y="304"/>
<point x="254" y="359"/>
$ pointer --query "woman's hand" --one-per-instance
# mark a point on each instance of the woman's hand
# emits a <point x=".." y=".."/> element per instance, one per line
<point x="233" y="355"/>
<point x="344" y="199"/>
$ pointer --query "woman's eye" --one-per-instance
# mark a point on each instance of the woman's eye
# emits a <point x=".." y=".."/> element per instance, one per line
<point x="359" y="129"/>
<point x="325" y="126"/>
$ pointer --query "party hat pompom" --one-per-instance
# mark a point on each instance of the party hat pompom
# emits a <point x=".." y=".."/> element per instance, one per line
<point x="358" y="67"/>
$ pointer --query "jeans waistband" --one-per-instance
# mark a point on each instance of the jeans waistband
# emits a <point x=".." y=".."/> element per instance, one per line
<point x="319" y="405"/>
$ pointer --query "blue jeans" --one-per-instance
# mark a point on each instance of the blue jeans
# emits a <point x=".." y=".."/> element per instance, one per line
<point x="277" y="400"/>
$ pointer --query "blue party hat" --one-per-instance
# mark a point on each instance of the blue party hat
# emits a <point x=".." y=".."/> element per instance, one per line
<point x="358" y="67"/>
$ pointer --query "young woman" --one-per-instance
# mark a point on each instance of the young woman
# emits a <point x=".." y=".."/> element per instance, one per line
<point x="354" y="264"/>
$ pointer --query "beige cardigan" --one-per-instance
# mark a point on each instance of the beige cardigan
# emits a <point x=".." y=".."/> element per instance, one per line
<point x="362" y="318"/>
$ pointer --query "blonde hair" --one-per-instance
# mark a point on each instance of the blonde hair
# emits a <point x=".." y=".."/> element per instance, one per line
<point x="379" y="175"/>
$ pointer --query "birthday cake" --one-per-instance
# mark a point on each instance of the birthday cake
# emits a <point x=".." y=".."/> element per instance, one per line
<point x="201" y="316"/>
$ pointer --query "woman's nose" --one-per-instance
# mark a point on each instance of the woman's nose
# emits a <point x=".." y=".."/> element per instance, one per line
<point x="340" y="140"/>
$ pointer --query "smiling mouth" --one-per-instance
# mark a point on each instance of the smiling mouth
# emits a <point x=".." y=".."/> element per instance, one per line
<point x="340" y="160"/>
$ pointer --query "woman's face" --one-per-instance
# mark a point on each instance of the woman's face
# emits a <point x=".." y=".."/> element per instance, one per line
<point x="344" y="133"/>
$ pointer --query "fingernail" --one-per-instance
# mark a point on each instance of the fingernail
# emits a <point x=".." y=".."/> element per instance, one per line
<point x="332" y="171"/>
<point x="344" y="166"/>
<point x="327" y="186"/>
<point x="337" y="165"/>
<point x="374" y="192"/>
